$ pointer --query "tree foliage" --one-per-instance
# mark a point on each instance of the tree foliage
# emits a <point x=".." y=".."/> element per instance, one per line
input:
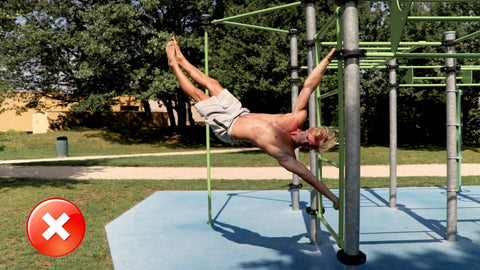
<point x="90" y="52"/>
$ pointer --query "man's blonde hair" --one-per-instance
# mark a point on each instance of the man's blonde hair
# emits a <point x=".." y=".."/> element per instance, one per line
<point x="325" y="138"/>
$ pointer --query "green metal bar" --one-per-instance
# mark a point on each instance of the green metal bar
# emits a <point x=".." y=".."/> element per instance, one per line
<point x="443" y="19"/>
<point x="370" y="65"/>
<point x="331" y="162"/>
<point x="438" y="85"/>
<point x="422" y="85"/>
<point x="433" y="78"/>
<point x="327" y="25"/>
<point x="459" y="140"/>
<point x="438" y="66"/>
<point x="336" y="236"/>
<point x="318" y="90"/>
<point x="384" y="48"/>
<point x="448" y="1"/>
<point x="258" y="12"/>
<point x="387" y="43"/>
<point x="423" y="55"/>
<point x="256" y="27"/>
<point x="474" y="34"/>
<point x="319" y="123"/>
<point x="374" y="61"/>
<point x="207" y="127"/>
<point x="328" y="94"/>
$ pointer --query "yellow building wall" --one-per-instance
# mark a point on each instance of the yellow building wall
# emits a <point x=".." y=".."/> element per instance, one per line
<point x="31" y="120"/>
<point x="38" y="121"/>
<point x="10" y="120"/>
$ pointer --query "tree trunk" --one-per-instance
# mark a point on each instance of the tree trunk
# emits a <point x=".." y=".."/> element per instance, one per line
<point x="182" y="112"/>
<point x="171" y="115"/>
<point x="148" y="111"/>
<point x="189" y="114"/>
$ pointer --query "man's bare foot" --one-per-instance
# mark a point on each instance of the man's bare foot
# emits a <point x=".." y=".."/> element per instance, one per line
<point x="180" y="57"/>
<point x="171" y="54"/>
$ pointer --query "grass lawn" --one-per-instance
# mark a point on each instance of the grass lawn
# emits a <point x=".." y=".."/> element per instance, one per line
<point x="15" y="145"/>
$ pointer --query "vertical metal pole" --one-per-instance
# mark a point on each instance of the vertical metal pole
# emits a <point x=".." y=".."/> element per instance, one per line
<point x="205" y="20"/>
<point x="207" y="127"/>
<point x="341" y="130"/>
<point x="459" y="140"/>
<point x="294" y="80"/>
<point x="450" y="66"/>
<point x="311" y="28"/>
<point x="351" y="255"/>
<point x="392" y="81"/>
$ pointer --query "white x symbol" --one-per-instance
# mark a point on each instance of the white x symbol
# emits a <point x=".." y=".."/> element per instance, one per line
<point x="56" y="226"/>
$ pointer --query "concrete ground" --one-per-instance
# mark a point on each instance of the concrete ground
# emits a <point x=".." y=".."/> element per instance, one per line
<point x="259" y="230"/>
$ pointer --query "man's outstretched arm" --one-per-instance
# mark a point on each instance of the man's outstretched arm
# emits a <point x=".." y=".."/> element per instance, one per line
<point x="294" y="166"/>
<point x="312" y="82"/>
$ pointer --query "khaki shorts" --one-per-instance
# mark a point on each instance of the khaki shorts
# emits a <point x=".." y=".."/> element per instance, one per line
<point x="221" y="112"/>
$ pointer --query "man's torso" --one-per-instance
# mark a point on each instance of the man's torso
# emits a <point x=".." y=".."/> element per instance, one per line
<point x="270" y="132"/>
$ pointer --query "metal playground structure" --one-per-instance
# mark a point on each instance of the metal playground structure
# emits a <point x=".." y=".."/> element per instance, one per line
<point x="354" y="55"/>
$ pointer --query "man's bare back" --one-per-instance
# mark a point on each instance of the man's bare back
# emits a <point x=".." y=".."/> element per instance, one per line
<point x="270" y="132"/>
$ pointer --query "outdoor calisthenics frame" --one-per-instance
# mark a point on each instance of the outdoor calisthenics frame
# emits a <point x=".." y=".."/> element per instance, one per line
<point x="377" y="57"/>
<point x="313" y="121"/>
<point x="294" y="65"/>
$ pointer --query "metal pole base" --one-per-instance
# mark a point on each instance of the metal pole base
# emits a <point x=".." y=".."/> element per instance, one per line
<point x="358" y="259"/>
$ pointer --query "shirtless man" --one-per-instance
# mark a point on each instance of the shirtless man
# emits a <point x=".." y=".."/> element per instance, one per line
<point x="277" y="134"/>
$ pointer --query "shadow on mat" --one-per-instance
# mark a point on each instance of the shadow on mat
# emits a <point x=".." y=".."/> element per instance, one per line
<point x="307" y="256"/>
<point x="300" y="255"/>
<point x="460" y="257"/>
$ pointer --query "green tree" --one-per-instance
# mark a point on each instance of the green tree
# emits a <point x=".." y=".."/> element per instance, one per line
<point x="59" y="49"/>
<point x="91" y="52"/>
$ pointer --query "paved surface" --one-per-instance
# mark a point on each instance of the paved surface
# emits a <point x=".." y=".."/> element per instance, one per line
<point x="156" y="173"/>
<point x="258" y="230"/>
<point x="22" y="170"/>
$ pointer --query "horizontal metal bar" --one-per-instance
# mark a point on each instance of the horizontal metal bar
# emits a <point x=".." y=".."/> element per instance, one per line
<point x="388" y="43"/>
<point x="423" y="55"/>
<point x="430" y="78"/>
<point x="256" y="27"/>
<point x="438" y="85"/>
<point x="385" y="48"/>
<point x="433" y="78"/>
<point x="258" y="12"/>
<point x="366" y="65"/>
<point x="443" y="19"/>
<point x="447" y="1"/>
<point x="422" y="85"/>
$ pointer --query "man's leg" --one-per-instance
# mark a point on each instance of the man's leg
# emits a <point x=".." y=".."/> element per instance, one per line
<point x="187" y="85"/>
<point x="199" y="77"/>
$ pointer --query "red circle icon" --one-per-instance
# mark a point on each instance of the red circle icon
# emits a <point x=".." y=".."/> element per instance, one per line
<point x="55" y="227"/>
